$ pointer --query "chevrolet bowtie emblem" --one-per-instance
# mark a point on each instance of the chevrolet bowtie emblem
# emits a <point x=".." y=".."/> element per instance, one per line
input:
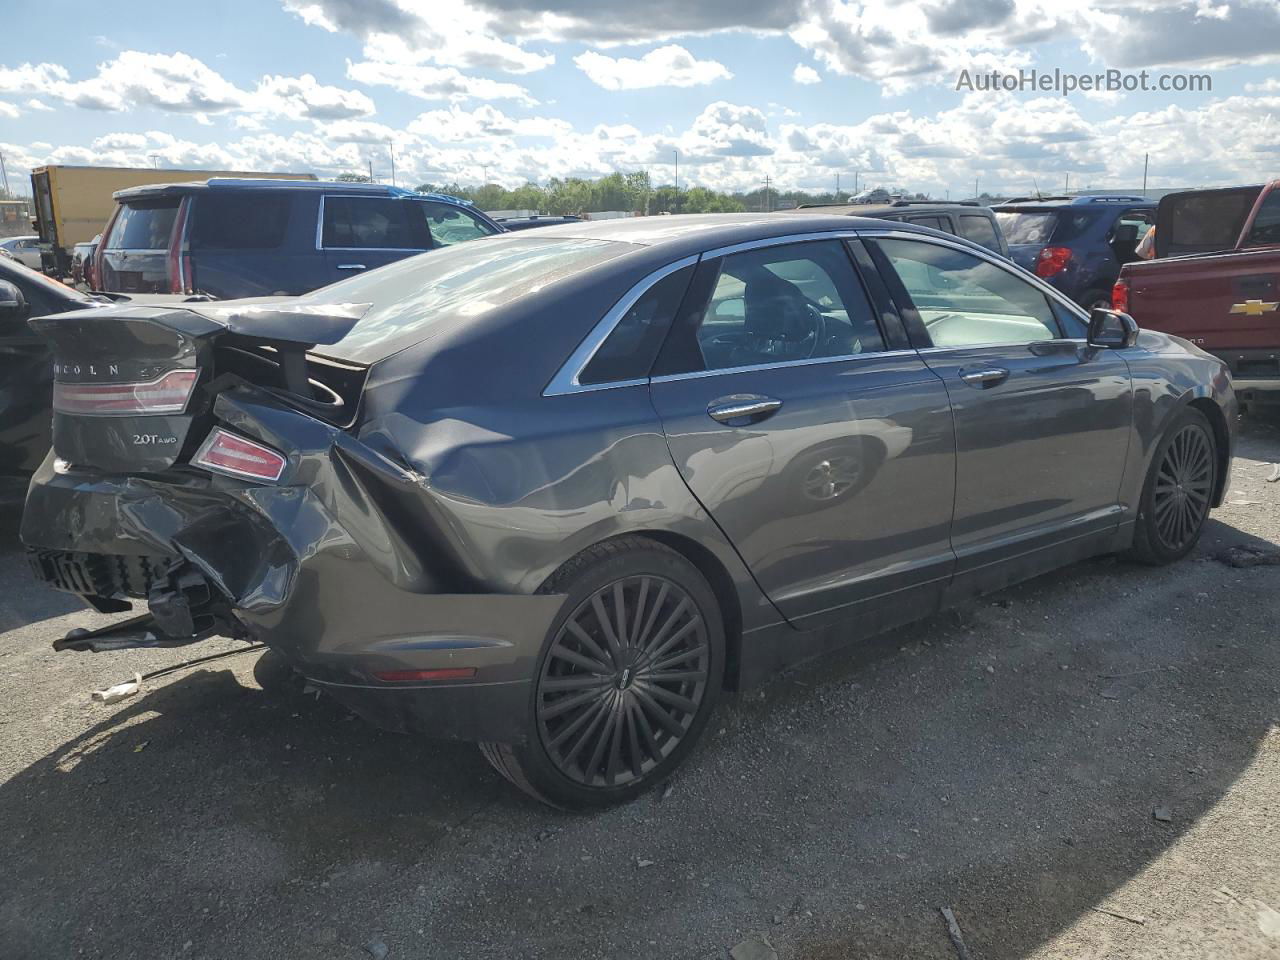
<point x="1254" y="308"/>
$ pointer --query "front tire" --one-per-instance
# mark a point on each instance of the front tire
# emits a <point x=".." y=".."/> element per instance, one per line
<point x="1178" y="490"/>
<point x="628" y="676"/>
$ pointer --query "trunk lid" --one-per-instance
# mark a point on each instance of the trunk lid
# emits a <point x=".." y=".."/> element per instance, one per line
<point x="134" y="386"/>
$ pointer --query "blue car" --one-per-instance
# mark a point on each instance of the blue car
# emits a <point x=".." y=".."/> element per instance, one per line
<point x="230" y="237"/>
<point x="1077" y="244"/>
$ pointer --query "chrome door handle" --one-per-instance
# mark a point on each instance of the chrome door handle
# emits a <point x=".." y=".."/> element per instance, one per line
<point x="984" y="376"/>
<point x="738" y="409"/>
<point x="351" y="266"/>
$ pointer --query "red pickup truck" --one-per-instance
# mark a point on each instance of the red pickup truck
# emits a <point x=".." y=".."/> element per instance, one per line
<point x="1216" y="281"/>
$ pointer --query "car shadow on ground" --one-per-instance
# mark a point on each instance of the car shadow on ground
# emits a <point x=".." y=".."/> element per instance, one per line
<point x="1004" y="758"/>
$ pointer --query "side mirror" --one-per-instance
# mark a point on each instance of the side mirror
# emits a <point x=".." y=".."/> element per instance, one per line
<point x="13" y="305"/>
<point x="1111" y="329"/>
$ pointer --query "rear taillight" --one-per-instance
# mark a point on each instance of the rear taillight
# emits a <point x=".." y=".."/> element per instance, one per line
<point x="165" y="394"/>
<point x="1120" y="296"/>
<point x="1052" y="261"/>
<point x="237" y="456"/>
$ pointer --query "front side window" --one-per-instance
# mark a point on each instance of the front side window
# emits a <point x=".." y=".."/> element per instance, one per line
<point x="374" y="223"/>
<point x="450" y="224"/>
<point x="777" y="304"/>
<point x="980" y="230"/>
<point x="965" y="301"/>
<point x="1266" y="225"/>
<point x="143" y="225"/>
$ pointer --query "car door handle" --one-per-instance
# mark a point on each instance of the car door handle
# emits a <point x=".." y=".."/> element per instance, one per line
<point x="984" y="376"/>
<point x="351" y="266"/>
<point x="738" y="408"/>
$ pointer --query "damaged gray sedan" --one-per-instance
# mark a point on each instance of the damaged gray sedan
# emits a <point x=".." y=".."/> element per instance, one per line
<point x="553" y="492"/>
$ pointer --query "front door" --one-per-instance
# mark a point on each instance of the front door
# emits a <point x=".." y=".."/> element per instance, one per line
<point x="1042" y="420"/>
<point x="826" y="457"/>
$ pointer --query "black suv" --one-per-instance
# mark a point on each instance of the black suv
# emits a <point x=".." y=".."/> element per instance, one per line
<point x="962" y="219"/>
<point x="229" y="237"/>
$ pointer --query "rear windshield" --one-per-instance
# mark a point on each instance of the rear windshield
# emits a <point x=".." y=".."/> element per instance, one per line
<point x="1043" y="226"/>
<point x="1203" y="222"/>
<point x="239" y="221"/>
<point x="468" y="280"/>
<point x="143" y="225"/>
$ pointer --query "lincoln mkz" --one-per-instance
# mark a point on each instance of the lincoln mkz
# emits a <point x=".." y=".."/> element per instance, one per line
<point x="555" y="491"/>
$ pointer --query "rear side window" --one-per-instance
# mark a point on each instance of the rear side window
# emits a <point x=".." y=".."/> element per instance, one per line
<point x="1027" y="226"/>
<point x="1202" y="222"/>
<point x="1266" y="225"/>
<point x="374" y="223"/>
<point x="143" y="225"/>
<point x="631" y="348"/>
<point x="932" y="222"/>
<point x="980" y="230"/>
<point x="239" y="221"/>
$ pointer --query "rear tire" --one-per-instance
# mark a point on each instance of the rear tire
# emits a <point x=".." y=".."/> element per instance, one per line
<point x="628" y="676"/>
<point x="1178" y="490"/>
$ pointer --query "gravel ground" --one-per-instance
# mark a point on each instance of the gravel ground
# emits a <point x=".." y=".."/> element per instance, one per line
<point x="1005" y="759"/>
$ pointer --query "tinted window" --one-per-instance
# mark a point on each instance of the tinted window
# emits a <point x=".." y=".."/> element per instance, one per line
<point x="1027" y="227"/>
<point x="932" y="222"/>
<point x="964" y="300"/>
<point x="629" y="351"/>
<point x="792" y="302"/>
<point x="979" y="230"/>
<point x="1203" y="221"/>
<point x="1266" y="225"/>
<point x="374" y="222"/>
<point x="239" y="221"/>
<point x="450" y="224"/>
<point x="143" y="225"/>
<point x="459" y="284"/>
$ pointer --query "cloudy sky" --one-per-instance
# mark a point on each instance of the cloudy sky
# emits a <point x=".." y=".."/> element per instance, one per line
<point x="798" y="90"/>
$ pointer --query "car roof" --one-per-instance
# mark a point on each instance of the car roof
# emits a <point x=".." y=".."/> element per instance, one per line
<point x="686" y="234"/>
<point x="1082" y="201"/>
<point x="265" y="183"/>
<point x="895" y="208"/>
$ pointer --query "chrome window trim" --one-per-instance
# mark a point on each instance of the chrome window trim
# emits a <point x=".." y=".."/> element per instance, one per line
<point x="782" y="364"/>
<point x="779" y="242"/>
<point x="356" y="196"/>
<point x="566" y="379"/>
<point x="982" y="253"/>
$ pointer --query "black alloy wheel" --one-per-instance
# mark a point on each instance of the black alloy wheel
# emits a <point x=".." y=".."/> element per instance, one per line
<point x="627" y="679"/>
<point x="1179" y="490"/>
<point x="1184" y="484"/>
<point x="623" y="681"/>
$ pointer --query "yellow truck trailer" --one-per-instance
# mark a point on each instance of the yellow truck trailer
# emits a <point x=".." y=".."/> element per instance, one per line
<point x="73" y="203"/>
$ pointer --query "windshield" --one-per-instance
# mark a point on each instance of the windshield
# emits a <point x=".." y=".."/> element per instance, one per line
<point x="408" y="297"/>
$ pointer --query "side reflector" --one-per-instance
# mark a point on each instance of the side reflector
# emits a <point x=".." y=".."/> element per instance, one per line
<point x="419" y="676"/>
<point x="225" y="452"/>
<point x="165" y="394"/>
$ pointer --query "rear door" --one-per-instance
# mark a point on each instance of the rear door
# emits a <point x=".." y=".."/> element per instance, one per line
<point x="135" y="251"/>
<point x="1042" y="420"/>
<point x="253" y="243"/>
<point x="815" y="438"/>
<point x="358" y="233"/>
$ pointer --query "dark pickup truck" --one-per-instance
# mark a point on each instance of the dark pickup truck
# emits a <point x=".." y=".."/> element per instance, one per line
<point x="1216" y="281"/>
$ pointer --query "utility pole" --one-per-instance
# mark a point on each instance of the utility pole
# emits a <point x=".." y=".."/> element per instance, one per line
<point x="371" y="169"/>
<point x="675" y="201"/>
<point x="975" y="188"/>
<point x="1146" y="159"/>
<point x="766" y="193"/>
<point x="391" y="149"/>
<point x="837" y="188"/>
<point x="1066" y="188"/>
<point x="155" y="161"/>
<point x="4" y="176"/>
<point x="485" y="168"/>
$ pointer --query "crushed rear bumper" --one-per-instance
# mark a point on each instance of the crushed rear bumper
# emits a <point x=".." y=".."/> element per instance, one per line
<point x="212" y="556"/>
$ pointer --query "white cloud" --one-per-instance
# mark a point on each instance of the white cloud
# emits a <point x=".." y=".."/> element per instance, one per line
<point x="35" y="104"/>
<point x="669" y="66"/>
<point x="1269" y="85"/>
<point x="435" y="83"/>
<point x="484" y="123"/>
<point x="179" y="83"/>
<point x="8" y="109"/>
<point x="803" y="73"/>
